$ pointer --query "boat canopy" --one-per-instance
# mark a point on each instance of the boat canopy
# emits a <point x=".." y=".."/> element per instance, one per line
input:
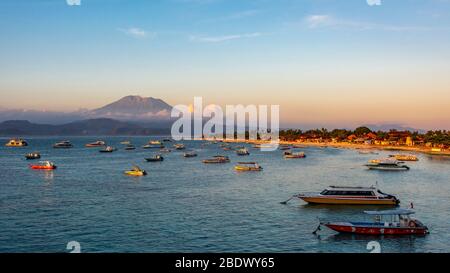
<point x="391" y="212"/>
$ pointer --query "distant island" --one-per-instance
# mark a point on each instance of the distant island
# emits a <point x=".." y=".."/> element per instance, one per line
<point x="90" y="127"/>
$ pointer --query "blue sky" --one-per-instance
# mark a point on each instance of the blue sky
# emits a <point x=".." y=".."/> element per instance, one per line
<point x="331" y="61"/>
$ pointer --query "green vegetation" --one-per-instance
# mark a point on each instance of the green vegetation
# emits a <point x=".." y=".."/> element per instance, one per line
<point x="363" y="134"/>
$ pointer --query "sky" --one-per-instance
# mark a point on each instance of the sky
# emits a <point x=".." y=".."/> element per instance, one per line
<point x="325" y="62"/>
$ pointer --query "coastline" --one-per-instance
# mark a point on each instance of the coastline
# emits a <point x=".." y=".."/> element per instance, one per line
<point x="422" y="150"/>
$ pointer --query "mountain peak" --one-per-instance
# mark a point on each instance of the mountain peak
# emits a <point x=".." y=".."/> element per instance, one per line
<point x="134" y="107"/>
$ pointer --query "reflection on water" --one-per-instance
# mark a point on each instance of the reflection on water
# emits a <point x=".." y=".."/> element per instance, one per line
<point x="183" y="205"/>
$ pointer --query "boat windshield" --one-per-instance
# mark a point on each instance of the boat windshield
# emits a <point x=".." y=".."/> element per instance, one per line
<point x="348" y="193"/>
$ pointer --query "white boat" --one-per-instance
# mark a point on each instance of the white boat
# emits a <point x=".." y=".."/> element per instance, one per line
<point x="387" y="165"/>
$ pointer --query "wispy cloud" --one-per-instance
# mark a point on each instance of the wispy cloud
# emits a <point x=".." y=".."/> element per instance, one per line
<point x="223" y="38"/>
<point x="328" y="21"/>
<point x="136" y="32"/>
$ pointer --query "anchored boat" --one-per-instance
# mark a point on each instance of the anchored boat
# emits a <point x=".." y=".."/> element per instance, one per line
<point x="63" y="145"/>
<point x="248" y="167"/>
<point x="386" y="222"/>
<point x="43" y="165"/>
<point x="217" y="160"/>
<point x="16" y="142"/>
<point x="335" y="195"/>
<point x="130" y="147"/>
<point x="136" y="171"/>
<point x="242" y="152"/>
<point x="191" y="154"/>
<point x="98" y="143"/>
<point x="294" y="155"/>
<point x="32" y="156"/>
<point x="402" y="157"/>
<point x="387" y="165"/>
<point x="156" y="158"/>
<point x="108" y="149"/>
<point x="179" y="146"/>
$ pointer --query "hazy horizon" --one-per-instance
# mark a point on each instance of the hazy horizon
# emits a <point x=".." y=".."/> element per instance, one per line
<point x="326" y="62"/>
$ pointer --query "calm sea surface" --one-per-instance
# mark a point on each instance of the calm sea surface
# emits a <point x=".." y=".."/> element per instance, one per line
<point x="186" y="206"/>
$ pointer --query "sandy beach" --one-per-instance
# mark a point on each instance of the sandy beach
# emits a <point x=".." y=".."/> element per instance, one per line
<point x="342" y="145"/>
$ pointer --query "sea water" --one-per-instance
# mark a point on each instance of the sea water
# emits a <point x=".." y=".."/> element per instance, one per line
<point x="183" y="205"/>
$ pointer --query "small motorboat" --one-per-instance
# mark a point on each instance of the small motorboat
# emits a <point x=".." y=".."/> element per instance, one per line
<point x="402" y="157"/>
<point x="284" y="147"/>
<point x="43" y="165"/>
<point x="387" y="165"/>
<point x="242" y="152"/>
<point x="190" y="154"/>
<point x="335" y="195"/>
<point x="179" y="146"/>
<point x="155" y="142"/>
<point x="136" y="171"/>
<point x="287" y="152"/>
<point x="167" y="140"/>
<point x="165" y="150"/>
<point x="218" y="159"/>
<point x="153" y="146"/>
<point x="248" y="167"/>
<point x="108" y="149"/>
<point x="130" y="147"/>
<point x="295" y="155"/>
<point x="98" y="143"/>
<point x="126" y="142"/>
<point x="156" y="158"/>
<point x="32" y="156"/>
<point x="385" y="222"/>
<point x="16" y="142"/>
<point x="63" y="145"/>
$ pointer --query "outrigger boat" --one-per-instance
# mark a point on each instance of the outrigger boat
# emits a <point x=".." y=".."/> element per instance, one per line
<point x="294" y="155"/>
<point x="43" y="165"/>
<point x="401" y="157"/>
<point x="98" y="143"/>
<point x="242" y="152"/>
<point x="136" y="171"/>
<point x="217" y="160"/>
<point x="16" y="142"/>
<point x="191" y="154"/>
<point x="335" y="195"/>
<point x="63" y="145"/>
<point x="32" y="156"/>
<point x="108" y="149"/>
<point x="399" y="223"/>
<point x="156" y="158"/>
<point x="248" y="167"/>
<point x="387" y="165"/>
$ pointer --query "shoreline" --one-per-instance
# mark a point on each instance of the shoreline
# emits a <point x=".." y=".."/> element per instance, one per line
<point x="422" y="150"/>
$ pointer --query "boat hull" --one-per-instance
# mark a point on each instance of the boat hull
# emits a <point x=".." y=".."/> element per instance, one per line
<point x="371" y="230"/>
<point x="349" y="201"/>
<point x="35" y="167"/>
<point x="388" y="168"/>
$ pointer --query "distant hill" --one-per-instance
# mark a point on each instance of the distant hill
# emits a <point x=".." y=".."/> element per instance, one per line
<point x="388" y="127"/>
<point x="102" y="126"/>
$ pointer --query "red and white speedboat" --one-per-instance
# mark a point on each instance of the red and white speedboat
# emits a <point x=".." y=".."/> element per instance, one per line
<point x="386" y="222"/>
<point x="44" y="165"/>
